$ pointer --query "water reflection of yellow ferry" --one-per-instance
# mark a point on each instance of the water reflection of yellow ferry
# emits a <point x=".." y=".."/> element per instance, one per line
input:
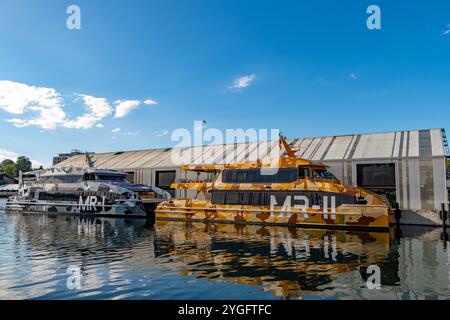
<point x="287" y="190"/>
<point x="288" y="262"/>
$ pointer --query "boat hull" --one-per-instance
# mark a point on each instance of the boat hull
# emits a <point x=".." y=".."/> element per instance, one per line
<point x="129" y="209"/>
<point x="364" y="217"/>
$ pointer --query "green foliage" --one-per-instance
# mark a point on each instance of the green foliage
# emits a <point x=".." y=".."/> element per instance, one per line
<point x="448" y="168"/>
<point x="9" y="169"/>
<point x="5" y="163"/>
<point x="22" y="164"/>
<point x="13" y="168"/>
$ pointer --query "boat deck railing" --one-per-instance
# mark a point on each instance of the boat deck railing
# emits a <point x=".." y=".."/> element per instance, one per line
<point x="194" y="180"/>
<point x="315" y="180"/>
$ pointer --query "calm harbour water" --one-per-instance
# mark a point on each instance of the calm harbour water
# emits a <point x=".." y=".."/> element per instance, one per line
<point x="125" y="259"/>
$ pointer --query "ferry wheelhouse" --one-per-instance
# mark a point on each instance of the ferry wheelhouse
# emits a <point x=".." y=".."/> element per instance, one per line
<point x="288" y="191"/>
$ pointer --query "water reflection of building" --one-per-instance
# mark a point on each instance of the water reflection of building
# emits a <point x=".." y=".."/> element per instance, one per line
<point x="420" y="263"/>
<point x="424" y="263"/>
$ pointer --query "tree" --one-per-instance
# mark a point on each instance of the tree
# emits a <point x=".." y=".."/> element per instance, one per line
<point x="9" y="169"/>
<point x="5" y="163"/>
<point x="13" y="169"/>
<point x="22" y="164"/>
<point x="448" y="168"/>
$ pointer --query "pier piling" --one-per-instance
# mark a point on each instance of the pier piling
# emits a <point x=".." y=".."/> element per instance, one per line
<point x="444" y="215"/>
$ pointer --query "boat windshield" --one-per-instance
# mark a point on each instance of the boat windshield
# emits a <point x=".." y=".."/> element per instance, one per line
<point x="324" y="174"/>
<point x="316" y="174"/>
<point x="61" y="179"/>
<point x="105" y="177"/>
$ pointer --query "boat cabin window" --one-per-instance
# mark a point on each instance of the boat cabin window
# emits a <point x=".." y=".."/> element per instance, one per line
<point x="111" y="177"/>
<point x="61" y="179"/>
<point x="282" y="175"/>
<point x="29" y="178"/>
<point x="264" y="198"/>
<point x="315" y="174"/>
<point x="104" y="177"/>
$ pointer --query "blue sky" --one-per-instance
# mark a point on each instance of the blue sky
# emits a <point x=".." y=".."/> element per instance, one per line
<point x="312" y="67"/>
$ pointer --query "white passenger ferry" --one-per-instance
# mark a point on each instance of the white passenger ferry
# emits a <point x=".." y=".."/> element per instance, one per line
<point x="84" y="191"/>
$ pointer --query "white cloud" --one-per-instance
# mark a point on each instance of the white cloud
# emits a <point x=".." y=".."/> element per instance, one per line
<point x="242" y="82"/>
<point x="6" y="154"/>
<point x="124" y="107"/>
<point x="150" y="102"/>
<point x="116" y="130"/>
<point x="353" y="76"/>
<point x="98" y="108"/>
<point x="37" y="164"/>
<point x="161" y="133"/>
<point x="446" y="31"/>
<point x="82" y="122"/>
<point x="131" y="133"/>
<point x="18" y="98"/>
<point x="44" y="107"/>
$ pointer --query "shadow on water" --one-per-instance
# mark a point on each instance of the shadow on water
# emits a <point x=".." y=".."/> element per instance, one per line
<point x="131" y="259"/>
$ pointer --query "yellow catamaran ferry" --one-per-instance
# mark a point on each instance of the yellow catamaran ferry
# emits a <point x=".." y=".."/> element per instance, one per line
<point x="287" y="191"/>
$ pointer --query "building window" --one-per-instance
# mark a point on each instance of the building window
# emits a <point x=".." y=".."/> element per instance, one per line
<point x="378" y="178"/>
<point x="130" y="177"/>
<point x="164" y="180"/>
<point x="376" y="175"/>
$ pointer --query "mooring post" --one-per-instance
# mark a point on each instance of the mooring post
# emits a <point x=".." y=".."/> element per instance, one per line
<point x="444" y="215"/>
<point x="397" y="213"/>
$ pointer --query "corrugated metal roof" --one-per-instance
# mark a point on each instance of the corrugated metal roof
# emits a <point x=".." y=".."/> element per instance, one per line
<point x="400" y="144"/>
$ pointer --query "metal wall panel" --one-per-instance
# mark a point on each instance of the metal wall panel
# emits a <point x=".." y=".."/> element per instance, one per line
<point x="322" y="148"/>
<point x="398" y="184"/>
<point x="405" y="183"/>
<point x="114" y="160"/>
<point x="437" y="145"/>
<point x="427" y="192"/>
<point x="414" y="184"/>
<point x="396" y="149"/>
<point x="405" y="144"/>
<point x="309" y="151"/>
<point x="336" y="169"/>
<point x="375" y="146"/>
<point x="413" y="144"/>
<point x="229" y="150"/>
<point x="440" y="190"/>
<point x="339" y="148"/>
<point x="144" y="158"/>
<point x="164" y="159"/>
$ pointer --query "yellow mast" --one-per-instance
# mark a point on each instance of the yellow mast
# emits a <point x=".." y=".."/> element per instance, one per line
<point x="289" y="151"/>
